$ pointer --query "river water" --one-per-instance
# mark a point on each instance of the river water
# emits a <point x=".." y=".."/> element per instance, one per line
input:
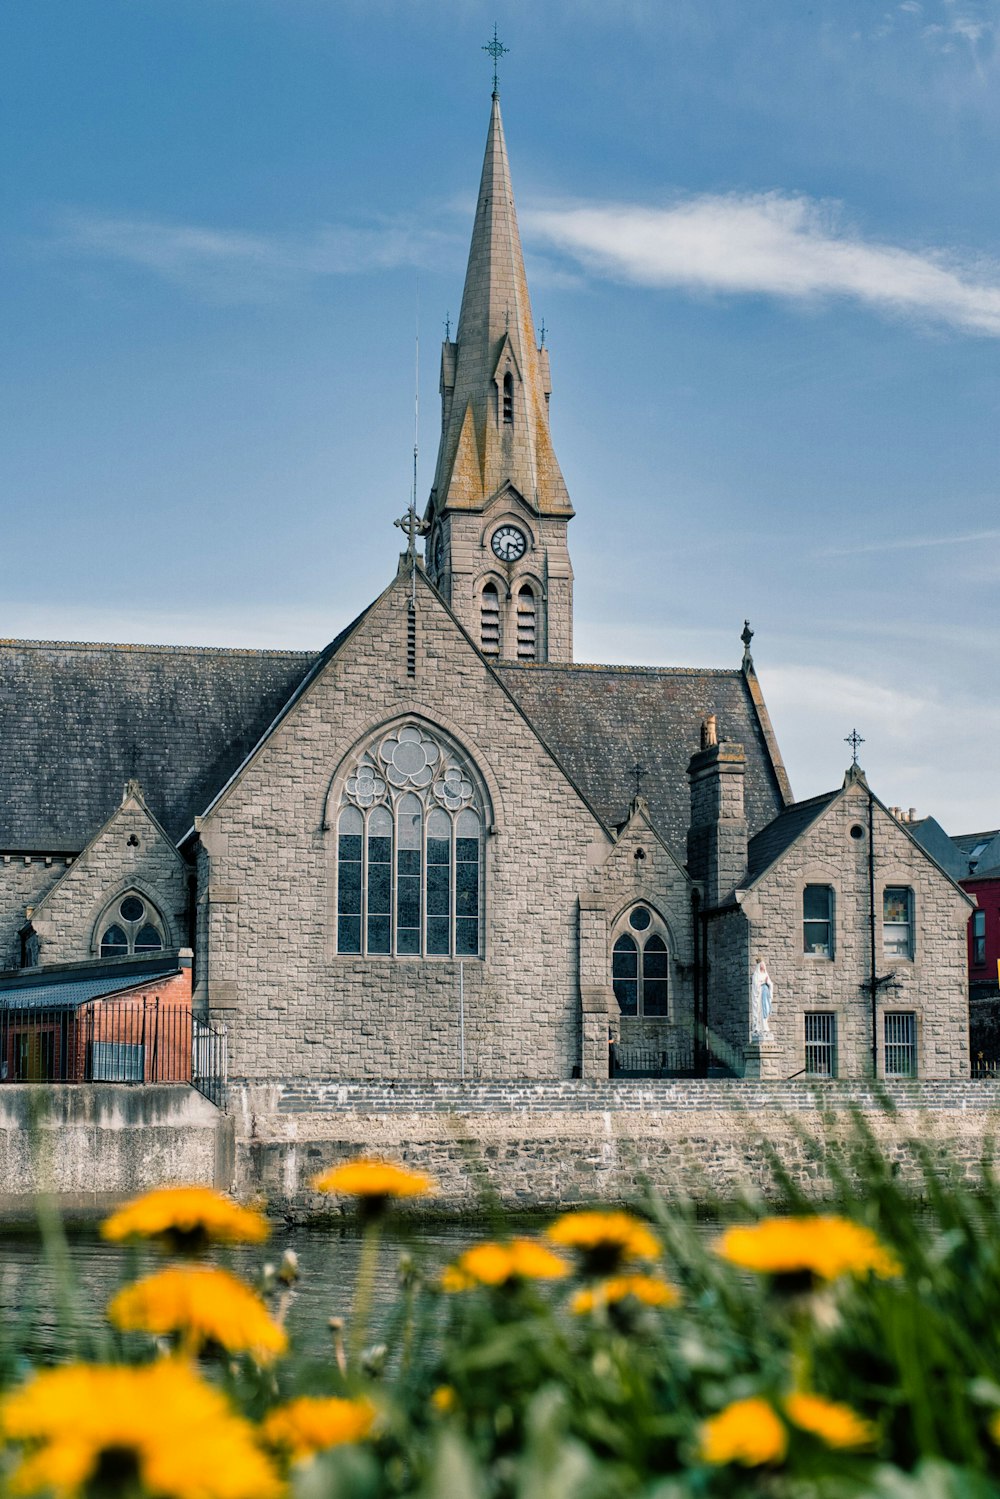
<point x="52" y="1298"/>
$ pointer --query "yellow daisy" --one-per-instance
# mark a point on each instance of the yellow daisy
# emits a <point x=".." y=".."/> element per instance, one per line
<point x="202" y="1305"/>
<point x="605" y="1241"/>
<point x="444" y="1400"/>
<point x="747" y="1432"/>
<point x="821" y="1248"/>
<point x="650" y="1290"/>
<point x="158" y="1427"/>
<point x="374" y="1182"/>
<point x="498" y="1264"/>
<point x="835" y="1424"/>
<point x="311" y="1424"/>
<point x="186" y="1219"/>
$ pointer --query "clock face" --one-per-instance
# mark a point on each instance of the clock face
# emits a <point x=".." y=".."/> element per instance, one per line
<point x="509" y="543"/>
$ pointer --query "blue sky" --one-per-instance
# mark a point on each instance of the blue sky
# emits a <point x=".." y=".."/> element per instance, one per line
<point x="764" y="240"/>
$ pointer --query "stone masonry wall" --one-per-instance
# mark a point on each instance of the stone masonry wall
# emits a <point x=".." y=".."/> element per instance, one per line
<point x="24" y="879"/>
<point x="293" y="1003"/>
<point x="552" y="1145"/>
<point x="66" y="920"/>
<point x="933" y="984"/>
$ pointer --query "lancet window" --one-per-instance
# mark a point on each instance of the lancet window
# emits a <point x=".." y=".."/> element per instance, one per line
<point x="640" y="966"/>
<point x="508" y="400"/>
<point x="527" y="624"/>
<point x="410" y="851"/>
<point x="489" y="620"/>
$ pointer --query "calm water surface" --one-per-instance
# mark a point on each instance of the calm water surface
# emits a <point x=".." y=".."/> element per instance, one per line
<point x="32" y="1316"/>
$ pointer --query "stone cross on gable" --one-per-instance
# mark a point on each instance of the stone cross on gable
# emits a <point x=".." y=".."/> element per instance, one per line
<point x="414" y="527"/>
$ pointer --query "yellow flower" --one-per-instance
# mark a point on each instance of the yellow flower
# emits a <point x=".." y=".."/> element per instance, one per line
<point x="310" y="1424"/>
<point x="746" y="1432"/>
<point x="650" y="1290"/>
<point x="186" y="1219"/>
<point x="498" y="1264"/>
<point x="203" y="1305"/>
<point x="605" y="1241"/>
<point x="373" y="1179"/>
<point x="822" y="1247"/>
<point x="158" y="1426"/>
<point x="835" y="1424"/>
<point x="444" y="1400"/>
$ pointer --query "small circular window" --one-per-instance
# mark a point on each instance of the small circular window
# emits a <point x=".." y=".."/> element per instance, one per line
<point x="132" y="908"/>
<point x="639" y="919"/>
<point x="857" y="831"/>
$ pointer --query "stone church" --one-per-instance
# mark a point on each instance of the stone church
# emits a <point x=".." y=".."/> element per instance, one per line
<point x="441" y="847"/>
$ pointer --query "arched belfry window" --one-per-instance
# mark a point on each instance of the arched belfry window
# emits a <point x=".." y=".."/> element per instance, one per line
<point x="527" y="623"/>
<point x="410" y="850"/>
<point x="489" y="620"/>
<point x="639" y="966"/>
<point x="508" y="399"/>
<point x="129" y="926"/>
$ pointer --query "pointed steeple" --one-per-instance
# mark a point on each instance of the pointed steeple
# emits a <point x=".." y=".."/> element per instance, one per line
<point x="494" y="377"/>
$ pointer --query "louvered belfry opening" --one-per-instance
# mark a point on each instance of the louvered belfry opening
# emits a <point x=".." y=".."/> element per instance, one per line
<point x="527" y="624"/>
<point x="489" y="620"/>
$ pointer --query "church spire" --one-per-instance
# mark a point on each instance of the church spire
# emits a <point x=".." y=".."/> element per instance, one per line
<point x="498" y="510"/>
<point x="507" y="439"/>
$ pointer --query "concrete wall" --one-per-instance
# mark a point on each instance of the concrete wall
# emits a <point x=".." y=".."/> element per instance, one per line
<point x="94" y="1144"/>
<point x="549" y="1145"/>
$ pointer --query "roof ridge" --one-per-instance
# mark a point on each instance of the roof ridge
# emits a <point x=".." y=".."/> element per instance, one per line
<point x="174" y="650"/>
<point x="596" y="666"/>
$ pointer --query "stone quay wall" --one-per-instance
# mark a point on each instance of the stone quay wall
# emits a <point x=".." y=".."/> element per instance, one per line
<point x="547" y="1145"/>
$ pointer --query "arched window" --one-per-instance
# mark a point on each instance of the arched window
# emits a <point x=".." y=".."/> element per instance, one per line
<point x="410" y="851"/>
<point x="508" y="400"/>
<point x="489" y="620"/>
<point x="640" y="966"/>
<point x="130" y="926"/>
<point x="527" y="626"/>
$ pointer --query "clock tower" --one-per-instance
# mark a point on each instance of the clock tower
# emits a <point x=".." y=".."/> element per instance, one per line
<point x="499" y="508"/>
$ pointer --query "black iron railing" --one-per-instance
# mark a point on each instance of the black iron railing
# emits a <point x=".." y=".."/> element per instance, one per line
<point x="645" y="1061"/>
<point x="111" y="1041"/>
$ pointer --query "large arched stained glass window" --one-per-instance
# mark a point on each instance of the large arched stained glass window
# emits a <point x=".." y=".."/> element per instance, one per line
<point x="410" y="851"/>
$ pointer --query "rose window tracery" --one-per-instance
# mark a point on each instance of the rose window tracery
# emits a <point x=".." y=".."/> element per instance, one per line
<point x="409" y="851"/>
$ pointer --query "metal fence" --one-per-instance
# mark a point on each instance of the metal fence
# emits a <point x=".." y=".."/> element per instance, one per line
<point x="642" y="1061"/>
<point x="112" y="1041"/>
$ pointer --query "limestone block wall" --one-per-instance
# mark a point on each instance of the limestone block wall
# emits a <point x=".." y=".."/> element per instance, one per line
<point x="932" y="985"/>
<point x="556" y="1145"/>
<point x="729" y="935"/>
<point x="24" y="880"/>
<point x="545" y="565"/>
<point x="294" y="1004"/>
<point x="129" y="852"/>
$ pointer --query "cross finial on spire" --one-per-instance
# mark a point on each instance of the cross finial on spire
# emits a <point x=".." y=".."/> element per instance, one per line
<point x="639" y="770"/>
<point x="496" y="49"/>
<point x="542" y="332"/>
<point x="447" y="327"/>
<point x="854" y="739"/>
<point x="414" y="527"/>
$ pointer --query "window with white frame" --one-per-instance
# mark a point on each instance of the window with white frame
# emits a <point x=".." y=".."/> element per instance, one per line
<point x="821" y="1044"/>
<point x="897" y="921"/>
<point x="900" y="1030"/>
<point x="639" y="966"/>
<point x="130" y="927"/>
<point x="410" y="851"/>
<point x="817" y="920"/>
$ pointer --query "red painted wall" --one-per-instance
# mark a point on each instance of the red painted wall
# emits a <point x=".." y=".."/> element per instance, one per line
<point x="987" y="893"/>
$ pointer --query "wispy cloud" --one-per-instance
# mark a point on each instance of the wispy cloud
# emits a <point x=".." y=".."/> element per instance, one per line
<point x="774" y="245"/>
<point x="233" y="265"/>
<point x="911" y="543"/>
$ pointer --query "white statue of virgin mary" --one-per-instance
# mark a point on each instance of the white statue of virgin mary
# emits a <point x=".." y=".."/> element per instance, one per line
<point x="761" y="997"/>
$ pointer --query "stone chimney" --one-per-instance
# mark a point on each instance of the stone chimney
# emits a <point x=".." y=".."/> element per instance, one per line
<point x="717" y="836"/>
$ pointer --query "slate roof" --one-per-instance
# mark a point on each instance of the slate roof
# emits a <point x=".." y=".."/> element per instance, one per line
<point x="600" y="721"/>
<point x="771" y="842"/>
<point x="77" y="721"/>
<point x="66" y="990"/>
